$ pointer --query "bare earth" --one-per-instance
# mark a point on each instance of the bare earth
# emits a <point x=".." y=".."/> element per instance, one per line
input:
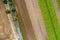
<point x="22" y="11"/>
<point x="4" y="23"/>
<point x="5" y="26"/>
<point x="32" y="19"/>
<point x="36" y="18"/>
<point x="56" y="9"/>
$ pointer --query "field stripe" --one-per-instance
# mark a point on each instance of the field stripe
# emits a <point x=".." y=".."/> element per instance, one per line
<point x="47" y="20"/>
<point x="50" y="12"/>
<point x="51" y="18"/>
<point x="54" y="19"/>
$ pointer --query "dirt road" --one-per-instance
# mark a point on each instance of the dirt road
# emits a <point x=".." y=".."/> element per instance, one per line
<point x="57" y="10"/>
<point x="22" y="12"/>
<point x="36" y="18"/>
<point x="32" y="19"/>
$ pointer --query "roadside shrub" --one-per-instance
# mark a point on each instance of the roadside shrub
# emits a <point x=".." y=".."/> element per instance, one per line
<point x="58" y="2"/>
<point x="5" y="1"/>
<point x="7" y="11"/>
<point x="15" y="18"/>
<point x="10" y="0"/>
<point x="13" y="9"/>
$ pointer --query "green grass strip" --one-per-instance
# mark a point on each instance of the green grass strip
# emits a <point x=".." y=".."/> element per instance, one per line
<point x="58" y="2"/>
<point x="54" y="18"/>
<point x="47" y="19"/>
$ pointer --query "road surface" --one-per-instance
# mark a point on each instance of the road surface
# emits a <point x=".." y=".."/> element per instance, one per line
<point x="32" y="19"/>
<point x="35" y="14"/>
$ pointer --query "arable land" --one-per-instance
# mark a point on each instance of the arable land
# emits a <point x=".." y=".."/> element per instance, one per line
<point x="30" y="20"/>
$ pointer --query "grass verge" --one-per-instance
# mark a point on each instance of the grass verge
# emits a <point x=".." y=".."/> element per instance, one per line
<point x="21" y="28"/>
<point x="50" y="19"/>
<point x="54" y="19"/>
<point x="58" y="2"/>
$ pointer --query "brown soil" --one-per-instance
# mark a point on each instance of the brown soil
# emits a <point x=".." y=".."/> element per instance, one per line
<point x="22" y="11"/>
<point x="5" y="27"/>
<point x="32" y="19"/>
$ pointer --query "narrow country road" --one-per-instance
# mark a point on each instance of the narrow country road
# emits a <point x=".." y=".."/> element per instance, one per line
<point x="36" y="18"/>
<point x="32" y="19"/>
<point x="22" y="12"/>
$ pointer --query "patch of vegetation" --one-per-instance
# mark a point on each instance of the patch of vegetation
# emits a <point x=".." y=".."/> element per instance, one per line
<point x="5" y="1"/>
<point x="10" y="0"/>
<point x="8" y="11"/>
<point x="14" y="2"/>
<point x="58" y="2"/>
<point x="15" y="18"/>
<point x="50" y="19"/>
<point x="13" y="9"/>
<point x="21" y="28"/>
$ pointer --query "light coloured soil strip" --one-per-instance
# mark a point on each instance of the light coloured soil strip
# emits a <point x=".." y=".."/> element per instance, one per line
<point x="36" y="19"/>
<point x="7" y="6"/>
<point x="14" y="37"/>
<point x="4" y="22"/>
<point x="56" y="9"/>
<point x="22" y="12"/>
<point x="12" y="27"/>
<point x="4" y="17"/>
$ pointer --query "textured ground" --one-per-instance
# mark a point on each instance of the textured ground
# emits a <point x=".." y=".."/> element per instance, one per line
<point x="32" y="19"/>
<point x="5" y="26"/>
